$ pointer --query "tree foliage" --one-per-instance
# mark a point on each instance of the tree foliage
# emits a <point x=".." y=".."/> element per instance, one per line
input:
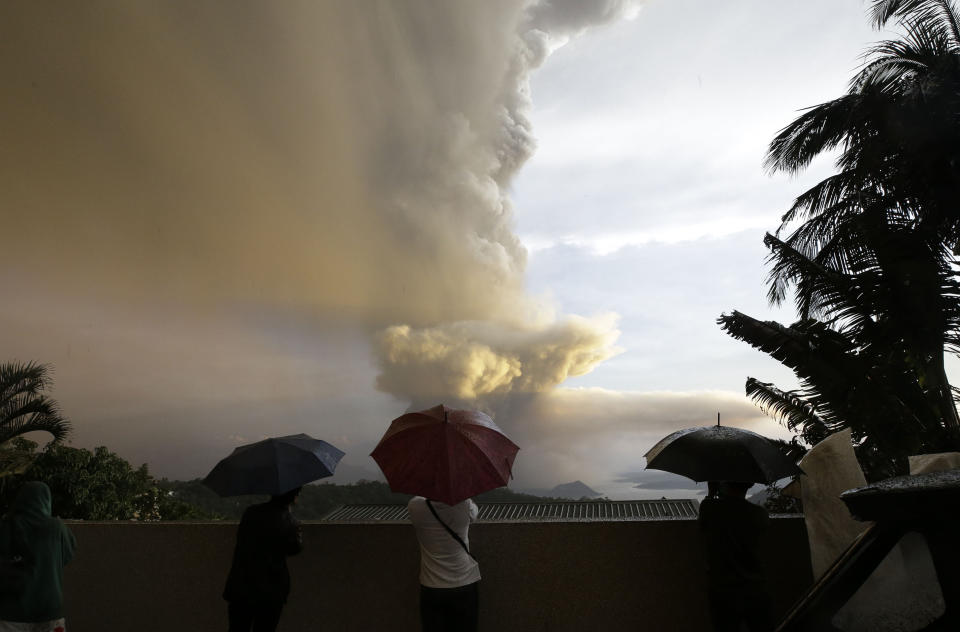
<point x="96" y="485"/>
<point x="776" y="502"/>
<point x="24" y="406"/>
<point x="868" y="253"/>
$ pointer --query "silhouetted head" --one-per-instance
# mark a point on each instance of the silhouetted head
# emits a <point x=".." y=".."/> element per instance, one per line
<point x="734" y="489"/>
<point x="286" y="498"/>
<point x="33" y="500"/>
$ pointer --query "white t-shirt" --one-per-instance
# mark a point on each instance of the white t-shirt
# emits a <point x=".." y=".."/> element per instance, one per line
<point x="443" y="562"/>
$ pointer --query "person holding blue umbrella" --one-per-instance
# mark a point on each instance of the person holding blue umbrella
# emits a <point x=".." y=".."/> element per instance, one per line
<point x="258" y="583"/>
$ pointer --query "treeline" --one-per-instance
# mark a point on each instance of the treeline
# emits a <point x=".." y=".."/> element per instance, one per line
<point x="90" y="484"/>
<point x="316" y="500"/>
<point x="100" y="485"/>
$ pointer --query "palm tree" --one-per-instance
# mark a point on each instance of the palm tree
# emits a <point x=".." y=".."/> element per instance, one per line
<point x="857" y="351"/>
<point x="898" y="126"/>
<point x="885" y="284"/>
<point x="23" y="405"/>
<point x="895" y="203"/>
<point x="844" y="384"/>
<point x="868" y="250"/>
<point x="898" y="185"/>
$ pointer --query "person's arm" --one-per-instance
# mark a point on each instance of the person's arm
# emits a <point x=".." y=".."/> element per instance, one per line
<point x="6" y="538"/>
<point x="474" y="510"/>
<point x="763" y="519"/>
<point x="292" y="535"/>
<point x="68" y="544"/>
<point x="706" y="510"/>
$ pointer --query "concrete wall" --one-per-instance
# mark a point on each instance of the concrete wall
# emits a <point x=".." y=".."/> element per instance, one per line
<point x="536" y="576"/>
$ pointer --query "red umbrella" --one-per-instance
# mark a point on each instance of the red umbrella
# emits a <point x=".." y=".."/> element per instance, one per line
<point x="445" y="454"/>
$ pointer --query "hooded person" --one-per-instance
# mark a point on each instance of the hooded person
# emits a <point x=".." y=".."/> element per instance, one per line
<point x="42" y="546"/>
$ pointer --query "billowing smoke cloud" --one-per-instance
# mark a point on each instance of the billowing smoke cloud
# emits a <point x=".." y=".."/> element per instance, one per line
<point x="469" y="360"/>
<point x="552" y="23"/>
<point x="180" y="181"/>
<point x="337" y="156"/>
<point x="507" y="353"/>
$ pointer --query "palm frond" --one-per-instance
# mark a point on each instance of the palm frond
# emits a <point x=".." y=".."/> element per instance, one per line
<point x="810" y="348"/>
<point x="828" y="197"/>
<point x="19" y="378"/>
<point x="940" y="13"/>
<point x="789" y="408"/>
<point x="23" y="406"/>
<point x="820" y="128"/>
<point x="820" y="291"/>
<point x="894" y="62"/>
<point x="831" y="238"/>
<point x="55" y="425"/>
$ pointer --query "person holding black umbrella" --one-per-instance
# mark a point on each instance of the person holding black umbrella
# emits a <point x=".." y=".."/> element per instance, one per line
<point x="731" y="460"/>
<point x="259" y="582"/>
<point x="732" y="529"/>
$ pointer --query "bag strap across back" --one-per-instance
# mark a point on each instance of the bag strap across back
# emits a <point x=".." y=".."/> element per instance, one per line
<point x="452" y="533"/>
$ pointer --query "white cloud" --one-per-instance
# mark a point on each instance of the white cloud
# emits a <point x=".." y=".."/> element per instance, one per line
<point x="654" y="130"/>
<point x="599" y="436"/>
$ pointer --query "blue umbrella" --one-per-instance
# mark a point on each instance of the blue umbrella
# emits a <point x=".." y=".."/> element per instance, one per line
<point x="273" y="466"/>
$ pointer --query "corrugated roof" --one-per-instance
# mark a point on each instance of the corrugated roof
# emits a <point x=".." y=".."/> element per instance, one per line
<point x="576" y="511"/>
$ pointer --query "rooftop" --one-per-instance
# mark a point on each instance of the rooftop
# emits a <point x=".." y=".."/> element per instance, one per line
<point x="575" y="511"/>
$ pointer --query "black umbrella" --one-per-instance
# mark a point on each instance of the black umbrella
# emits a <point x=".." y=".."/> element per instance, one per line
<point x="273" y="466"/>
<point x="721" y="453"/>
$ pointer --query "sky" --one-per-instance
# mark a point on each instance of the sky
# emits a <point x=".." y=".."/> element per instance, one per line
<point x="232" y="220"/>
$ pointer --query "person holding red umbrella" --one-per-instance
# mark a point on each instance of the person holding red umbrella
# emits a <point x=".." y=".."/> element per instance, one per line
<point x="449" y="575"/>
<point x="445" y="457"/>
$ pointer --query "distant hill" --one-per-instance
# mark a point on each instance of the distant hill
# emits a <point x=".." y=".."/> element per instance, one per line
<point x="574" y="491"/>
<point x="346" y="474"/>
<point x="507" y="495"/>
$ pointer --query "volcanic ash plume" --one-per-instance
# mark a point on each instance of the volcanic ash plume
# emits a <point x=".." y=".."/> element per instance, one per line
<point x="506" y="353"/>
<point x="469" y="360"/>
<point x="254" y="164"/>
